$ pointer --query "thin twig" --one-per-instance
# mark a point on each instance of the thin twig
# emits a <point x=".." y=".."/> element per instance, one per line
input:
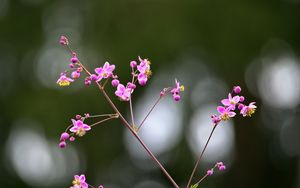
<point x="200" y="157"/>
<point x="113" y="117"/>
<point x="149" y="113"/>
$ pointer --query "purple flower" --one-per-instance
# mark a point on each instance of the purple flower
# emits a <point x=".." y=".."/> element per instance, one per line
<point x="133" y="64"/>
<point x="79" y="182"/>
<point x="210" y="172"/>
<point x="64" y="136"/>
<point x="75" y="74"/>
<point x="237" y="89"/>
<point x="63" y="40"/>
<point x="231" y="101"/>
<point x="105" y="72"/>
<point x="62" y="144"/>
<point x="79" y="127"/>
<point x="144" y="71"/>
<point x="64" y="80"/>
<point x="215" y="119"/>
<point x="225" y="113"/>
<point x="248" y="110"/>
<point x="115" y="82"/>
<point x="123" y="92"/>
<point x="176" y="90"/>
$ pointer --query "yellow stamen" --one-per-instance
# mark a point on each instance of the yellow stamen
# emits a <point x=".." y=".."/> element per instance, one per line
<point x="76" y="182"/>
<point x="182" y="88"/>
<point x="64" y="83"/>
<point x="80" y="132"/>
<point x="250" y="112"/>
<point x="148" y="73"/>
<point x="225" y="117"/>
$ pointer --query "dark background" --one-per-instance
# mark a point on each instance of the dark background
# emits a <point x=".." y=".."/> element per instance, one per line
<point x="209" y="46"/>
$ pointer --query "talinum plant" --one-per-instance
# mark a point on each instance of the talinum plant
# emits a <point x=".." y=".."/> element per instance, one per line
<point x="140" y="74"/>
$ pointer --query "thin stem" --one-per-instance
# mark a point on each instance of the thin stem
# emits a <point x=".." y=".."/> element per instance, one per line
<point x="101" y="115"/>
<point x="131" y="111"/>
<point x="113" y="117"/>
<point x="130" y="102"/>
<point x="157" y="101"/>
<point x="200" y="157"/>
<point x="91" y="186"/>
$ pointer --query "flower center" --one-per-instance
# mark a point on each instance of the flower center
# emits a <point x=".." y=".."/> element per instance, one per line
<point x="232" y="101"/>
<point x="64" y="83"/>
<point x="225" y="117"/>
<point x="250" y="112"/>
<point x="80" y="132"/>
<point x="76" y="182"/>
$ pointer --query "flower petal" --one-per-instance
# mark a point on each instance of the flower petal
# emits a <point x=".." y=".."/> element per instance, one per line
<point x="225" y="102"/>
<point x="221" y="109"/>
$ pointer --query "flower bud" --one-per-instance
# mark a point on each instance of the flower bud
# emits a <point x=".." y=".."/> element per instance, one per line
<point x="115" y="82"/>
<point x="237" y="89"/>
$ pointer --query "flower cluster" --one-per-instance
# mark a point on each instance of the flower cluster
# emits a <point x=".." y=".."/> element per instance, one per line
<point x="77" y="128"/>
<point x="140" y="73"/>
<point x="75" y="68"/>
<point x="232" y="103"/>
<point x="175" y="91"/>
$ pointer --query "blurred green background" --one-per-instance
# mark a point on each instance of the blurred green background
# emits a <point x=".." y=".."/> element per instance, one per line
<point x="209" y="46"/>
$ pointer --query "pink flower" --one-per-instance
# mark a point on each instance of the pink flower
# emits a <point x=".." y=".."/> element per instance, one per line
<point x="123" y="92"/>
<point x="248" y="110"/>
<point x="64" y="136"/>
<point x="105" y="72"/>
<point x="144" y="71"/>
<point x="74" y="58"/>
<point x="79" y="127"/>
<point x="237" y="89"/>
<point x="79" y="182"/>
<point x="63" y="40"/>
<point x="221" y="166"/>
<point x="231" y="101"/>
<point x="75" y="74"/>
<point x="64" y="80"/>
<point x="215" y="119"/>
<point x="210" y="172"/>
<point x="133" y="64"/>
<point x="225" y="113"/>
<point x="62" y="144"/>
<point x="115" y="82"/>
<point x="176" y="90"/>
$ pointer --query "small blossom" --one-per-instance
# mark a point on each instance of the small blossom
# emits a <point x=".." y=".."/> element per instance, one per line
<point x="131" y="85"/>
<point x="237" y="89"/>
<point x="74" y="58"/>
<point x="100" y="186"/>
<point x="231" y="101"/>
<point x="75" y="74"/>
<point x="215" y="119"/>
<point x="222" y="167"/>
<point x="133" y="64"/>
<point x="79" y="127"/>
<point x="105" y="72"/>
<point x="242" y="98"/>
<point x="115" y="82"/>
<point x="62" y="144"/>
<point x="86" y="115"/>
<point x="78" y="117"/>
<point x="72" y="65"/>
<point x="87" y="81"/>
<point x="64" y="80"/>
<point x="176" y="91"/>
<point x="123" y="92"/>
<point x="72" y="139"/>
<point x="94" y="77"/>
<point x="240" y="106"/>
<point x="79" y="182"/>
<point x="144" y="71"/>
<point x="210" y="172"/>
<point x="248" y="110"/>
<point x="64" y="136"/>
<point x="225" y="113"/>
<point x="63" y="40"/>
